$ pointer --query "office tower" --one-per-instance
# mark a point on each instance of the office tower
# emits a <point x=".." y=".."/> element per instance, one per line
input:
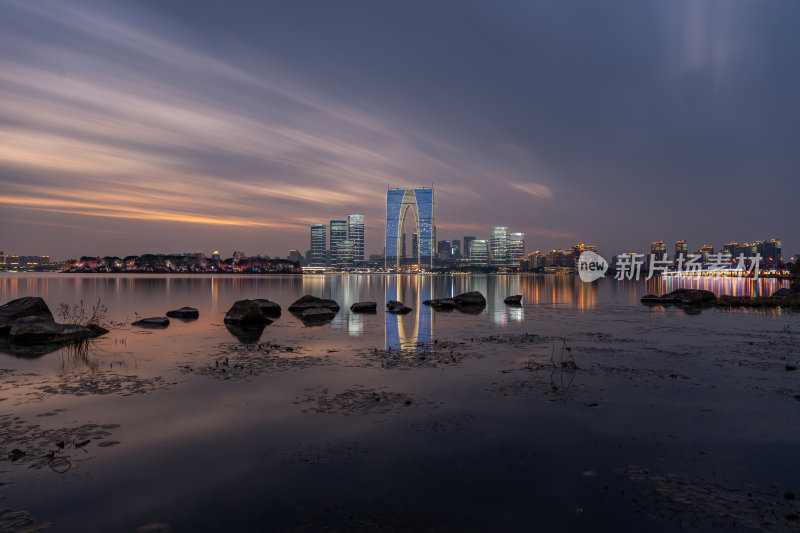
<point x="398" y="202"/>
<point x="319" y="242"/>
<point x="456" y="248"/>
<point x="414" y="245"/>
<point x="516" y="249"/>
<point x="443" y="249"/>
<point x="498" y="246"/>
<point x="467" y="242"/>
<point x="355" y="233"/>
<point x="479" y="252"/>
<point x="345" y="251"/>
<point x="405" y="249"/>
<point x="215" y="255"/>
<point x="338" y="229"/>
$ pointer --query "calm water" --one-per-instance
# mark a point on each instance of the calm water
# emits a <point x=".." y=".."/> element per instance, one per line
<point x="438" y="421"/>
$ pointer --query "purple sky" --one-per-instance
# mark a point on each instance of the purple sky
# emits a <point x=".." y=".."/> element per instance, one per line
<point x="133" y="127"/>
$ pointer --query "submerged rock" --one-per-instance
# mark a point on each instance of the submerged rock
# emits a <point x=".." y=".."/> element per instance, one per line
<point x="783" y="293"/>
<point x="317" y="315"/>
<point x="513" y="300"/>
<point x="246" y="335"/>
<point x="441" y="304"/>
<point x="393" y="306"/>
<point x="473" y="298"/>
<point x="246" y="314"/>
<point x="364" y="307"/>
<point x="184" y="312"/>
<point x="311" y="302"/>
<point x="269" y="308"/>
<point x="22" y="307"/>
<point x="34" y="330"/>
<point x="681" y="296"/>
<point x="152" y="322"/>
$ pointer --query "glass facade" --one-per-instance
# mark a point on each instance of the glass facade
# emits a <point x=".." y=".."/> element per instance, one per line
<point x="479" y="252"/>
<point x="498" y="246"/>
<point x="338" y="234"/>
<point x="398" y="202"/>
<point x="516" y="249"/>
<point x="319" y="241"/>
<point x="355" y="233"/>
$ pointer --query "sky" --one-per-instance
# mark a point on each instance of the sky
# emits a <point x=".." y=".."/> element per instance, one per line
<point x="152" y="126"/>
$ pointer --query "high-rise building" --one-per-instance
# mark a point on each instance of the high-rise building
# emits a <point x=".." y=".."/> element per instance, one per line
<point x="355" y="233"/>
<point x="344" y="254"/>
<point x="295" y="256"/>
<point x="319" y="245"/>
<point x="455" y="248"/>
<point x="498" y="246"/>
<point x="338" y="229"/>
<point x="444" y="249"/>
<point x="516" y="249"/>
<point x="681" y="249"/>
<point x="420" y="202"/>
<point x="467" y="241"/>
<point x="215" y="255"/>
<point x="705" y="251"/>
<point x="479" y="252"/>
<point x="659" y="248"/>
<point x="536" y="260"/>
<point x="770" y="252"/>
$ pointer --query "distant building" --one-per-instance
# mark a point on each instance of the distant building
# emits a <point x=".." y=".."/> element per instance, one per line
<point x="681" y="249"/>
<point x="319" y="245"/>
<point x="238" y="256"/>
<point x="338" y="229"/>
<point x="355" y="233"/>
<point x="479" y="252"/>
<point x="771" y="252"/>
<point x="444" y="249"/>
<point x="455" y="249"/>
<point x="705" y="251"/>
<point x="536" y="260"/>
<point x="295" y="256"/>
<point x="516" y="249"/>
<point x="498" y="246"/>
<point x="215" y="255"/>
<point x="467" y="242"/>
<point x="345" y="251"/>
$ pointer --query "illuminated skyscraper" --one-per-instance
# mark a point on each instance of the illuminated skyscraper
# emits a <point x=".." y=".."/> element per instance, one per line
<point x="479" y="252"/>
<point x="681" y="249"/>
<point x="319" y="241"/>
<point x="516" y="249"/>
<point x="498" y="246"/>
<point x="355" y="233"/>
<point x="338" y="234"/>
<point x="467" y="241"/>
<point x="398" y="202"/>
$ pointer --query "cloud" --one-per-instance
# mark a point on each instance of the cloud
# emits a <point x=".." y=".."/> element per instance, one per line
<point x="534" y="189"/>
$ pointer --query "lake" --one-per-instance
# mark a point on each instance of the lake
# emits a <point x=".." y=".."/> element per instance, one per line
<point x="580" y="410"/>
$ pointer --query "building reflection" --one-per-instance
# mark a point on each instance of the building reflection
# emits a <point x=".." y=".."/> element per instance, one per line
<point x="415" y="328"/>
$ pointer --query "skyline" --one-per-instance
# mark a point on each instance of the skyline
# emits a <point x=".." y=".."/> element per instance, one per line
<point x="136" y="128"/>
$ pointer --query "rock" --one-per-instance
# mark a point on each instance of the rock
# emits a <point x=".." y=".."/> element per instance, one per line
<point x="692" y="298"/>
<point x="441" y="304"/>
<point x="246" y="314"/>
<point x="269" y="308"/>
<point x="152" y="322"/>
<point x="329" y="304"/>
<point x="513" y="300"/>
<point x="310" y="302"/>
<point x="27" y="306"/>
<point x="318" y="314"/>
<point x="303" y="303"/>
<point x="364" y="307"/>
<point x="693" y="294"/>
<point x="33" y="330"/>
<point x="652" y="299"/>
<point x="184" y="312"/>
<point x="473" y="298"/>
<point x="393" y="306"/>
<point x="782" y="293"/>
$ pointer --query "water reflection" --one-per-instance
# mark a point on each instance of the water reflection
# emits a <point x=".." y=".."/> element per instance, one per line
<point x="719" y="286"/>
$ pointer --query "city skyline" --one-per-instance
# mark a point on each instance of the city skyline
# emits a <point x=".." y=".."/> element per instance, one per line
<point x="132" y="128"/>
